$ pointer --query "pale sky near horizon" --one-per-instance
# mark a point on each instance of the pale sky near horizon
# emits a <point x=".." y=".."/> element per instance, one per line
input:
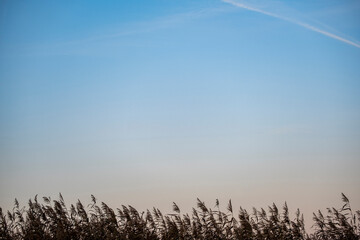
<point x="150" y="102"/>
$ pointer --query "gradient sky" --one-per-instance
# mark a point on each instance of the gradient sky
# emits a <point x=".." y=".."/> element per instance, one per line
<point x="150" y="102"/>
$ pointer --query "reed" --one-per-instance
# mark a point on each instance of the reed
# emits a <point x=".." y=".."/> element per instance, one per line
<point x="51" y="219"/>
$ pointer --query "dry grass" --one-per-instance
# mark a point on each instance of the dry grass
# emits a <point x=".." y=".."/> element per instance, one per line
<point x="53" y="220"/>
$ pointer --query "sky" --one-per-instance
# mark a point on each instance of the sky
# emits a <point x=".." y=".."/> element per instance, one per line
<point x="150" y="102"/>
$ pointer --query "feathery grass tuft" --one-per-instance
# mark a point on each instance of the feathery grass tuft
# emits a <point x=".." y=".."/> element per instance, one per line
<point x="52" y="220"/>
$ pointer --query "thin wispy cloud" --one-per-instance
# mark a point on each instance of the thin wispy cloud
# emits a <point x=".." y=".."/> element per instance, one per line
<point x="294" y="21"/>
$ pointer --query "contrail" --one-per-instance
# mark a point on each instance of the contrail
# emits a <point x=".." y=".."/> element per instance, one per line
<point x="305" y="25"/>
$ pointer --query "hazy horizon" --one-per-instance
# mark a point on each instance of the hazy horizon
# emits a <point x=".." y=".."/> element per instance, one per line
<point x="152" y="102"/>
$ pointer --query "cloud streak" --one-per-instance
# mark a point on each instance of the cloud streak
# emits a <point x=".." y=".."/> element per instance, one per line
<point x="299" y="23"/>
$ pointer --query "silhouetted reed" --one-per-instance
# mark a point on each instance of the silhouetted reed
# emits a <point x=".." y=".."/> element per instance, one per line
<point x="53" y="220"/>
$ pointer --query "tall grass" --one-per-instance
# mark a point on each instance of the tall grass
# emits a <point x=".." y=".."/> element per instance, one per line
<point x="51" y="219"/>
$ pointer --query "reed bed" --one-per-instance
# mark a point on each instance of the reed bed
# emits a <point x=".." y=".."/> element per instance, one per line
<point x="52" y="219"/>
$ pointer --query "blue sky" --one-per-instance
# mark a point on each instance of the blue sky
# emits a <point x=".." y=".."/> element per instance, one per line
<point x="257" y="101"/>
